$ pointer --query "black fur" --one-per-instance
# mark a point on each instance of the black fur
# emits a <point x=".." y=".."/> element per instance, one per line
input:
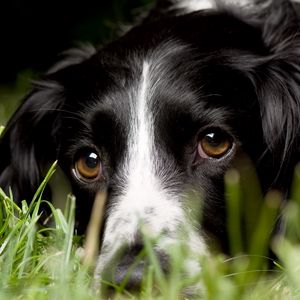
<point x="238" y="69"/>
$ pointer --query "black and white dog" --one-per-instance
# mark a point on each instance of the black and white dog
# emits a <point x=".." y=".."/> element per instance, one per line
<point x="161" y="114"/>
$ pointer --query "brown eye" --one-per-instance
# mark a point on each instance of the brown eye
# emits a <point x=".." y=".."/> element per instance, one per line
<point x="214" y="144"/>
<point x="88" y="166"/>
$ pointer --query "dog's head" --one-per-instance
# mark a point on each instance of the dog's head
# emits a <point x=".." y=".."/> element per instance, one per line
<point x="157" y="117"/>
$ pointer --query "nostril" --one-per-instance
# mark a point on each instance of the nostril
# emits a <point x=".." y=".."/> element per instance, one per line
<point x="131" y="266"/>
<point x="130" y="276"/>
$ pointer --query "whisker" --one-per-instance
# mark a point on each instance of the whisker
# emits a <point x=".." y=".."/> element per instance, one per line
<point x="251" y="271"/>
<point x="248" y="255"/>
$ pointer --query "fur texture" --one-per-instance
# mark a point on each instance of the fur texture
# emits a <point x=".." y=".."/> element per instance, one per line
<point x="144" y="103"/>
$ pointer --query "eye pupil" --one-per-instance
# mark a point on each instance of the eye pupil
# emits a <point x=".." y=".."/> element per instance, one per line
<point x="88" y="166"/>
<point x="92" y="160"/>
<point x="214" y="139"/>
<point x="214" y="144"/>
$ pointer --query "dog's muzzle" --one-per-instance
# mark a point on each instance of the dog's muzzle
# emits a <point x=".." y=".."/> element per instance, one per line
<point x="128" y="268"/>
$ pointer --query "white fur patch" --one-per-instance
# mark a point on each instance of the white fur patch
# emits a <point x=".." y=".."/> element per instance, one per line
<point x="188" y="6"/>
<point x="194" y="5"/>
<point x="144" y="200"/>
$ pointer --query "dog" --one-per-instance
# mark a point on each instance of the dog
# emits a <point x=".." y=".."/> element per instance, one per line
<point x="157" y="117"/>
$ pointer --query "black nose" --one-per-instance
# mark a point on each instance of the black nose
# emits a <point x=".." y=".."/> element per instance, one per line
<point x="129" y="271"/>
<point x="132" y="265"/>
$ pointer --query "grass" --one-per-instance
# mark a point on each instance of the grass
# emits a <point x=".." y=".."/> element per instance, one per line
<point x="38" y="262"/>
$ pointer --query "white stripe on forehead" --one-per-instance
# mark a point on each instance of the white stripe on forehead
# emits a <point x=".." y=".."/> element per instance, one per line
<point x="140" y="142"/>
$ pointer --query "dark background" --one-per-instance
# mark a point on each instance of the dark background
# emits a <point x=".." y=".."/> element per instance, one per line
<point x="34" y="32"/>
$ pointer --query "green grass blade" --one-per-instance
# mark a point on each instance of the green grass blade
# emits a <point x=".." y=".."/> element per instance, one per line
<point x="234" y="212"/>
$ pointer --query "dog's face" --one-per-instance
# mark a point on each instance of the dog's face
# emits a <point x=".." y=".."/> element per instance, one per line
<point x="156" y="119"/>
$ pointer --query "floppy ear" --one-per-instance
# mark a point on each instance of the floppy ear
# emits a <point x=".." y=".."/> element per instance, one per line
<point x="29" y="140"/>
<point x="278" y="81"/>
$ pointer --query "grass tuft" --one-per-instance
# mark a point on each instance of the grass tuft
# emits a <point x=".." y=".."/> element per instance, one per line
<point x="38" y="262"/>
